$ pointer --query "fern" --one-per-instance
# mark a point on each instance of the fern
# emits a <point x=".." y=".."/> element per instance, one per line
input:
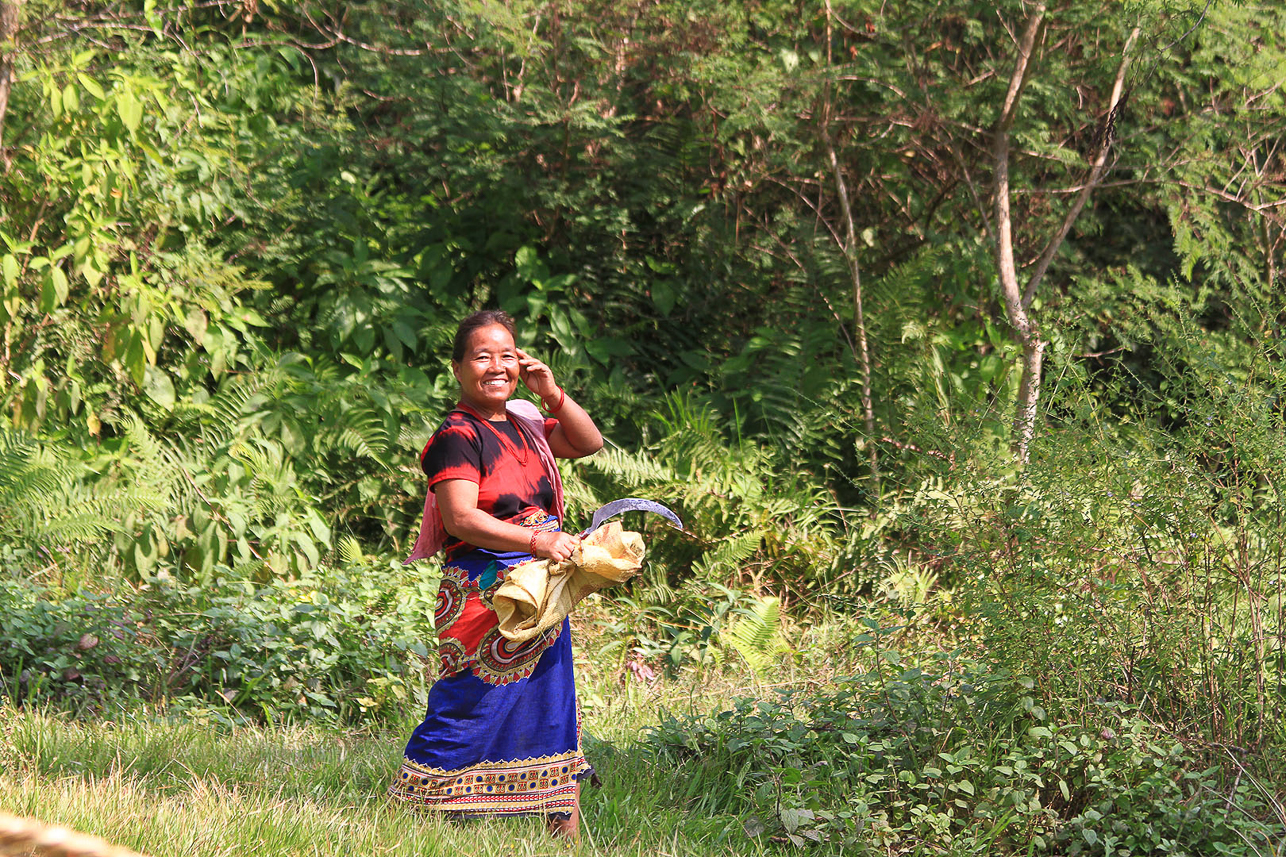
<point x="350" y="551"/>
<point x="725" y="559"/>
<point x="28" y="469"/>
<point x="757" y="635"/>
<point x="51" y="498"/>
<point x="633" y="469"/>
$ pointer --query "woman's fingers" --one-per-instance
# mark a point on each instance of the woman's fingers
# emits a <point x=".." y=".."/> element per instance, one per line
<point x="562" y="546"/>
<point x="538" y="377"/>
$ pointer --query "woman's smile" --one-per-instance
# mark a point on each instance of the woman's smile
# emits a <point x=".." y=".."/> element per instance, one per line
<point x="488" y="372"/>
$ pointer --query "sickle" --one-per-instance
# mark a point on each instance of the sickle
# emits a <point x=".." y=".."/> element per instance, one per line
<point x="630" y="504"/>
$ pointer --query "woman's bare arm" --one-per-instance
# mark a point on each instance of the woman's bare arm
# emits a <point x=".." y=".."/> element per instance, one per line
<point x="575" y="436"/>
<point x="461" y="517"/>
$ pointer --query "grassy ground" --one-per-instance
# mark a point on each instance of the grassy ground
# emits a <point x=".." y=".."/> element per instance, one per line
<point x="170" y="785"/>
<point x="183" y="788"/>
<point x="167" y="787"/>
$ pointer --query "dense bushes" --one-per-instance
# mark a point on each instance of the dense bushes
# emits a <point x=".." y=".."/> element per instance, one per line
<point x="1130" y="561"/>
<point x="961" y="758"/>
<point x="346" y="644"/>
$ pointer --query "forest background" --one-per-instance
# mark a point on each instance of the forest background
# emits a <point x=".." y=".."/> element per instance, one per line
<point x="951" y="329"/>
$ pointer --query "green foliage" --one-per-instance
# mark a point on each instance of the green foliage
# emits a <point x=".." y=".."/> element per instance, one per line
<point x="235" y="240"/>
<point x="347" y="645"/>
<point x="748" y="520"/>
<point x="1131" y="561"/>
<point x="757" y="634"/>
<point x="964" y="759"/>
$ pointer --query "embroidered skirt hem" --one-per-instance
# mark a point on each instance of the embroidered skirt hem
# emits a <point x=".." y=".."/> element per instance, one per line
<point x="544" y="786"/>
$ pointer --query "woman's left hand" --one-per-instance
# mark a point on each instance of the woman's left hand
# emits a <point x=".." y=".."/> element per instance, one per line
<point x="538" y="377"/>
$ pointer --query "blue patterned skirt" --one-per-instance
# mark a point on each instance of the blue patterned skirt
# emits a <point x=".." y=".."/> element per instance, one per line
<point x="501" y="735"/>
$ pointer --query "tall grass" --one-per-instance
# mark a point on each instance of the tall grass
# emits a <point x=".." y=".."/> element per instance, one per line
<point x="185" y="787"/>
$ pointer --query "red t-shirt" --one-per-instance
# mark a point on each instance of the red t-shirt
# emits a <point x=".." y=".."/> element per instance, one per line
<point x="512" y="483"/>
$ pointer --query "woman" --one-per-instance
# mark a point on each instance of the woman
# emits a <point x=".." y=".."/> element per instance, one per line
<point x="501" y="735"/>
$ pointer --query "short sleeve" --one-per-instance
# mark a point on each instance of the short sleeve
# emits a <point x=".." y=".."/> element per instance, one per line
<point x="550" y="425"/>
<point x="454" y="452"/>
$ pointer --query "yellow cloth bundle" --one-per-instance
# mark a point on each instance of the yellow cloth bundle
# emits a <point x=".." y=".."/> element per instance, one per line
<point x="537" y="594"/>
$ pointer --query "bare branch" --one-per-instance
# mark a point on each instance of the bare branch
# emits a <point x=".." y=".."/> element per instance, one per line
<point x="855" y="272"/>
<point x="8" y="31"/>
<point x="1004" y="234"/>
<point x="1096" y="174"/>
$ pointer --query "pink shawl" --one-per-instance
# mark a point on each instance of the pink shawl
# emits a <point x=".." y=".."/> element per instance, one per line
<point x="433" y="535"/>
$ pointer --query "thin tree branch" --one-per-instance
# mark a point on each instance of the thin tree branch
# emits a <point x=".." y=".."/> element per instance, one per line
<point x="1096" y="173"/>
<point x="1004" y="234"/>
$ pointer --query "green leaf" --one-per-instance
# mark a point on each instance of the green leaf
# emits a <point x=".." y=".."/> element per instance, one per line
<point x="158" y="387"/>
<point x="791" y="819"/>
<point x="196" y="324"/>
<point x="130" y="109"/>
<point x="405" y="333"/>
<point x="92" y="275"/>
<point x="54" y="292"/>
<point x="10" y="266"/>
<point x="318" y="526"/>
<point x="664" y="297"/>
<point x="91" y="86"/>
<point x="249" y="316"/>
<point x="310" y="550"/>
<point x="136" y="358"/>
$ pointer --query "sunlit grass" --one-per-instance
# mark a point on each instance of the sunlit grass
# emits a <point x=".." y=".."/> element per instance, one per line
<point x="168" y="787"/>
<point x="188" y="785"/>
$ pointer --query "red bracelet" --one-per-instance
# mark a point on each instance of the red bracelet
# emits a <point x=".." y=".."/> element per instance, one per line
<point x="562" y="397"/>
<point x="532" y="544"/>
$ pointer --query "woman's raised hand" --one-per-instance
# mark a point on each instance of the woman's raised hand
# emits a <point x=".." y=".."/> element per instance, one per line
<point x="555" y="546"/>
<point x="538" y="377"/>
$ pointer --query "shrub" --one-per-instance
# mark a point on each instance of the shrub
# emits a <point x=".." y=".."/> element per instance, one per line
<point x="963" y="758"/>
<point x="347" y="643"/>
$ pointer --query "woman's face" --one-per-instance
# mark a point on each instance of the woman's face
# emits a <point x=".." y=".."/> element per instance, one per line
<point x="488" y="374"/>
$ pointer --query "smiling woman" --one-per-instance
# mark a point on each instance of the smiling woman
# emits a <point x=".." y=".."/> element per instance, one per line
<point x="501" y="735"/>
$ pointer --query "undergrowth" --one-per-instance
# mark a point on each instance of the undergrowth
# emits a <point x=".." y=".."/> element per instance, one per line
<point x="345" y="644"/>
<point x="961" y="759"/>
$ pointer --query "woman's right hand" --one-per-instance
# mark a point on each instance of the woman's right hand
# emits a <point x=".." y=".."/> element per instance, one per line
<point x="555" y="546"/>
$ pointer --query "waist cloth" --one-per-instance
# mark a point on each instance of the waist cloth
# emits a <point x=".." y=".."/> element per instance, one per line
<point x="501" y="734"/>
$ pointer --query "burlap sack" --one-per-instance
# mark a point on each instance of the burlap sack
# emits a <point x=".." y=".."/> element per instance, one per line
<point x="536" y="596"/>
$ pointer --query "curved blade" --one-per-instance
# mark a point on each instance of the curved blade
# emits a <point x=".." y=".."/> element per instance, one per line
<point x="630" y="504"/>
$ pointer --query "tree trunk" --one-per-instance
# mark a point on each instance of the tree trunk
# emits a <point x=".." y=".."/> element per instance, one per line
<point x="849" y="247"/>
<point x="859" y="318"/>
<point x="1025" y="330"/>
<point x="1024" y="427"/>
<point x="1018" y="300"/>
<point x="8" y="30"/>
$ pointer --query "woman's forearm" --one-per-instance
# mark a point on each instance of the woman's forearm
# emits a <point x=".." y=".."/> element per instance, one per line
<point x="476" y="527"/>
<point x="580" y="437"/>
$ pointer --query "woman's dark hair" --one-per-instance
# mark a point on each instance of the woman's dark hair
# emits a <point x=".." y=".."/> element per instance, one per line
<point x="482" y="318"/>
